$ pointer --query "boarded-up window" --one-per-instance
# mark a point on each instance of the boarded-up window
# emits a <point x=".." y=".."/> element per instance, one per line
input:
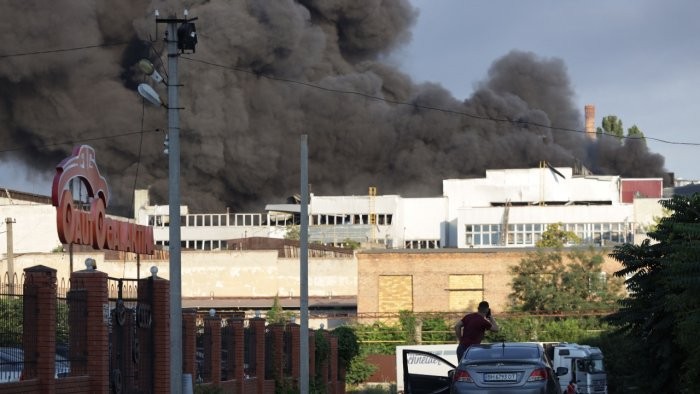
<point x="395" y="293"/>
<point x="466" y="291"/>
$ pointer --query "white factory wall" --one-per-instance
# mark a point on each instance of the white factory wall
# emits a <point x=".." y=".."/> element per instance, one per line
<point x="424" y="218"/>
<point x="33" y="230"/>
<point x="220" y="274"/>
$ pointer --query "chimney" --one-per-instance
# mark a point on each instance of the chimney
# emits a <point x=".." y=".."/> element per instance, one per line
<point x="590" y="121"/>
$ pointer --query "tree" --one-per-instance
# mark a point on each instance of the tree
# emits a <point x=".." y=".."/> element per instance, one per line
<point x="556" y="237"/>
<point x="276" y="314"/>
<point x="293" y="233"/>
<point x="611" y="125"/>
<point x="635" y="134"/>
<point x="550" y="281"/>
<point x="662" y="310"/>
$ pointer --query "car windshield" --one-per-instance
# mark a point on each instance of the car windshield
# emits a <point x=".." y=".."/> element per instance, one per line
<point x="499" y="352"/>
<point x="590" y="365"/>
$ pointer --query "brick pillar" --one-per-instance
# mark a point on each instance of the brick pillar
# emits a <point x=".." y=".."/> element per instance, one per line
<point x="258" y="326"/>
<point x="189" y="343"/>
<point x="212" y="348"/>
<point x="236" y="351"/>
<point x="97" y="356"/>
<point x="277" y="332"/>
<point x="333" y="364"/>
<point x="160" y="310"/>
<point x="39" y="334"/>
<point x="294" y="331"/>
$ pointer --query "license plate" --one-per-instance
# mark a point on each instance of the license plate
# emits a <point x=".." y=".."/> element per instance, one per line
<point x="500" y="377"/>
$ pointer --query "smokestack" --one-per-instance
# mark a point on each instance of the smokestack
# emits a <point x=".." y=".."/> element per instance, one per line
<point x="590" y="121"/>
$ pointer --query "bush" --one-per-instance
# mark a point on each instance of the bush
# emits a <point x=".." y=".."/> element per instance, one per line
<point x="360" y="370"/>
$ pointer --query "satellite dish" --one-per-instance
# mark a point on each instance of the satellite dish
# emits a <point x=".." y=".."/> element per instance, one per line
<point x="147" y="92"/>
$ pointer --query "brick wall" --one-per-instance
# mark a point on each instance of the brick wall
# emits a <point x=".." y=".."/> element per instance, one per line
<point x="431" y="270"/>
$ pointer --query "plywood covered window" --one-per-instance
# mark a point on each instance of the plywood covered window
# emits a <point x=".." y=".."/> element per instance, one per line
<point x="395" y="293"/>
<point x="466" y="291"/>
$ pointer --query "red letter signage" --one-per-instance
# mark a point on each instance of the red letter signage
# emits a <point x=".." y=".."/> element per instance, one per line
<point x="93" y="227"/>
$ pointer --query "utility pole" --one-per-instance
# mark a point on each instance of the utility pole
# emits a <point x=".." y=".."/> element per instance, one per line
<point x="179" y="39"/>
<point x="10" y="256"/>
<point x="304" y="269"/>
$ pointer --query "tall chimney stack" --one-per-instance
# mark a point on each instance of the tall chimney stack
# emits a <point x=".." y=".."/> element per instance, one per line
<point x="590" y="121"/>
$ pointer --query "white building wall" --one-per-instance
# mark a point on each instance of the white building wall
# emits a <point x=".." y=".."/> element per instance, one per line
<point x="33" y="230"/>
<point x="647" y="212"/>
<point x="424" y="219"/>
<point x="224" y="274"/>
<point x="529" y="186"/>
<point x="585" y="214"/>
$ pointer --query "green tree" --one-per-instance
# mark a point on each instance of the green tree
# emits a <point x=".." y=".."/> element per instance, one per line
<point x="662" y="310"/>
<point x="276" y="314"/>
<point x="348" y="345"/>
<point x="293" y="233"/>
<point x="611" y="125"/>
<point x="548" y="280"/>
<point x="556" y="237"/>
<point x="634" y="134"/>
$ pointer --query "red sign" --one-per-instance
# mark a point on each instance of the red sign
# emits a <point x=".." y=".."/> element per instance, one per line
<point x="93" y="227"/>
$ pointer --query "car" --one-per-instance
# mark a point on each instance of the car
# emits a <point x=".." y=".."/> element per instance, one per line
<point x="12" y="363"/>
<point x="504" y="367"/>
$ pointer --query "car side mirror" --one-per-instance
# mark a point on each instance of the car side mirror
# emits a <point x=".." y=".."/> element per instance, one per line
<point x="561" y="371"/>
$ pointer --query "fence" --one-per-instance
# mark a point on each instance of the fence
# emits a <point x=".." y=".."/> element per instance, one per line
<point x="86" y="341"/>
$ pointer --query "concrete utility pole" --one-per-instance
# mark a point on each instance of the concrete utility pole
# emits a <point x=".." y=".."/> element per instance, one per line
<point x="174" y="214"/>
<point x="10" y="256"/>
<point x="304" y="270"/>
<point x="178" y="38"/>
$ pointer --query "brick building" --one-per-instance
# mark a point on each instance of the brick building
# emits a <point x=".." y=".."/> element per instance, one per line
<point x="444" y="280"/>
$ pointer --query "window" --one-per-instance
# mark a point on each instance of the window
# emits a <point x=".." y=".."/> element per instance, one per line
<point x="466" y="291"/>
<point x="395" y="293"/>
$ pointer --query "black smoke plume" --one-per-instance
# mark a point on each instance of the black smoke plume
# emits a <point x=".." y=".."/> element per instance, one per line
<point x="240" y="129"/>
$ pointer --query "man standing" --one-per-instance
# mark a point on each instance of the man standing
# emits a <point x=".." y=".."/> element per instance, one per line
<point x="471" y="328"/>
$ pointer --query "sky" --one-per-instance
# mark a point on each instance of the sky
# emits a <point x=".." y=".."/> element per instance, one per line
<point x="636" y="59"/>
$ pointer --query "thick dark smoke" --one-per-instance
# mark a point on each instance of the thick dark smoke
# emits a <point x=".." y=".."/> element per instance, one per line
<point x="240" y="130"/>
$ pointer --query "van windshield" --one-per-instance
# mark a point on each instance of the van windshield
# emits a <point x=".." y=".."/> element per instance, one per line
<point x="590" y="365"/>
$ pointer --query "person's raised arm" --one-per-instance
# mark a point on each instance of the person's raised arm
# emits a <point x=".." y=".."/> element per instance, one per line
<point x="458" y="329"/>
<point x="494" y="325"/>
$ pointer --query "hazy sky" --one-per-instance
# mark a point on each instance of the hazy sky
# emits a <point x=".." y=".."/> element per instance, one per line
<point x="637" y="59"/>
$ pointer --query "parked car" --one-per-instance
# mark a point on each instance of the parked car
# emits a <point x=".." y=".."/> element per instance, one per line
<point x="12" y="363"/>
<point x="506" y="367"/>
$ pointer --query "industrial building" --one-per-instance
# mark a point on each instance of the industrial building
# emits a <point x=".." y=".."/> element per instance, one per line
<point x="506" y="208"/>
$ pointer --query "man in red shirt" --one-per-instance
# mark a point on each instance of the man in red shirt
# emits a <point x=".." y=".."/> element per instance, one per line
<point x="471" y="328"/>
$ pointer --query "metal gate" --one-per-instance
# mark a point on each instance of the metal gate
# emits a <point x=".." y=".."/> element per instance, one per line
<point x="130" y="336"/>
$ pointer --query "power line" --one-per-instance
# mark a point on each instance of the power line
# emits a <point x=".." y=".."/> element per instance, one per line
<point x="421" y="106"/>
<point x="125" y="134"/>
<point x="62" y="50"/>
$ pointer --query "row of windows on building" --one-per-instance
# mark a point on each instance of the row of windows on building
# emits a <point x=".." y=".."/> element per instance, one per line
<point x="197" y="244"/>
<point x="527" y="234"/>
<point x="261" y="219"/>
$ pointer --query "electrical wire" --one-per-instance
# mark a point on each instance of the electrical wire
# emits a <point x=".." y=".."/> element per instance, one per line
<point x="125" y="134"/>
<point x="8" y="55"/>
